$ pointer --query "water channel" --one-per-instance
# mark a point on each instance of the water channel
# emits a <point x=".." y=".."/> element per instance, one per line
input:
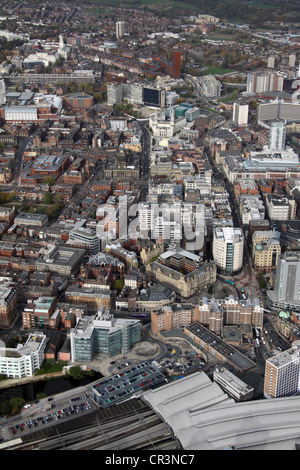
<point x="30" y="390"/>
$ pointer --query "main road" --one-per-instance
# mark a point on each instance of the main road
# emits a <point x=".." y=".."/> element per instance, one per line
<point x="145" y="161"/>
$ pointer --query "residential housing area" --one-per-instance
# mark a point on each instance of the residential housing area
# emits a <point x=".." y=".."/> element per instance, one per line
<point x="149" y="228"/>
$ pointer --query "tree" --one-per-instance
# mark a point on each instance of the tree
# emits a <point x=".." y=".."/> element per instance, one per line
<point x="49" y="180"/>
<point x="119" y="284"/>
<point x="48" y="198"/>
<point x="76" y="372"/>
<point x="16" y="403"/>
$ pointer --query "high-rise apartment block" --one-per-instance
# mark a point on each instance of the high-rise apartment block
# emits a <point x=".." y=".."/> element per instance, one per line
<point x="259" y="82"/>
<point x="240" y="114"/>
<point x="176" y="58"/>
<point x="282" y="373"/>
<point x="288" y="277"/>
<point x="286" y="294"/>
<point x="120" y="29"/>
<point x="271" y="62"/>
<point x="292" y="60"/>
<point x="277" y="135"/>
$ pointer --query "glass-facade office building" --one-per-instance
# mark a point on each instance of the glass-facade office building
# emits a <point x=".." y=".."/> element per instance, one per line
<point x="103" y="334"/>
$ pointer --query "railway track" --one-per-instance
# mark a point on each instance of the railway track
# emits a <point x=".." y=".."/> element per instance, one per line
<point x="131" y="425"/>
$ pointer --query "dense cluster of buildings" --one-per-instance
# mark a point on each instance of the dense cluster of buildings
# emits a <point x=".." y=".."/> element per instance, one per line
<point x="134" y="188"/>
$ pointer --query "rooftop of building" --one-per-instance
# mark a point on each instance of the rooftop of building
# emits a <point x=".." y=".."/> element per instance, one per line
<point x="229" y="234"/>
<point x="286" y="357"/>
<point x="195" y="402"/>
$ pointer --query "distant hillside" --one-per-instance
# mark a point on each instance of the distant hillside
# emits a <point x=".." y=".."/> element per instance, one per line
<point x="254" y="12"/>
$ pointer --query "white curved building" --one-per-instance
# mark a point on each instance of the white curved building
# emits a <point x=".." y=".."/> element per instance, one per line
<point x="25" y="360"/>
<point x="228" y="249"/>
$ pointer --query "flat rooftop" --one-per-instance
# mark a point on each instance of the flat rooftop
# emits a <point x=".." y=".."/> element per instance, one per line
<point x="285" y="357"/>
<point x="232" y="355"/>
<point x="126" y="384"/>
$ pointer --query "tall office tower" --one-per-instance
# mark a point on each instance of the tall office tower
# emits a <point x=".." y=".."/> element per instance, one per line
<point x="114" y="93"/>
<point x="161" y="223"/>
<point x="271" y="62"/>
<point x="228" y="249"/>
<point x="2" y="92"/>
<point x="120" y="29"/>
<point x="277" y="135"/>
<point x="61" y="40"/>
<point x="292" y="60"/>
<point x="176" y="58"/>
<point x="240" y="114"/>
<point x="287" y="284"/>
<point x="282" y="373"/>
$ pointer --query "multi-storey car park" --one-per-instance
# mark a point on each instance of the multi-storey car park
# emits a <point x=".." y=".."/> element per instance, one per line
<point x="128" y="382"/>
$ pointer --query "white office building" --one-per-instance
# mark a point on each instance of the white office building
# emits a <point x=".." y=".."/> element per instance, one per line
<point x="277" y="135"/>
<point x="287" y="284"/>
<point x="20" y="113"/>
<point x="86" y="238"/>
<point x="120" y="29"/>
<point x="286" y="295"/>
<point x="235" y="387"/>
<point x="23" y="361"/>
<point x="211" y="87"/>
<point x="228" y="249"/>
<point x="240" y="114"/>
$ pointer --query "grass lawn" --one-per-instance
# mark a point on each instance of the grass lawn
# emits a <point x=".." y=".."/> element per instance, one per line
<point x="50" y="366"/>
<point x="217" y="71"/>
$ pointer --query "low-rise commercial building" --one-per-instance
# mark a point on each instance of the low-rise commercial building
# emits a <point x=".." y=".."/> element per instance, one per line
<point x="281" y="208"/>
<point x="84" y="238"/>
<point x="266" y="250"/>
<point x="182" y="271"/>
<point x="37" y="314"/>
<point x="25" y="219"/>
<point x="23" y="361"/>
<point x="235" y="387"/>
<point x="61" y="259"/>
<point x="8" y="305"/>
<point x="92" y="297"/>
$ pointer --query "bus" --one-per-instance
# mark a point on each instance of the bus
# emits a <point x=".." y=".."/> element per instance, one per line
<point x="230" y="282"/>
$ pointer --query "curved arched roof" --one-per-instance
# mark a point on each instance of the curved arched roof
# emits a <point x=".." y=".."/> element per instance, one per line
<point x="203" y="417"/>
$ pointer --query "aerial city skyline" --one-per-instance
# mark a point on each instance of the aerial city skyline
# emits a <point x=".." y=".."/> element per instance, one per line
<point x="149" y="221"/>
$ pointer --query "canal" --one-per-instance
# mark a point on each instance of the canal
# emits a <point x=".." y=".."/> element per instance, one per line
<point x="29" y="391"/>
